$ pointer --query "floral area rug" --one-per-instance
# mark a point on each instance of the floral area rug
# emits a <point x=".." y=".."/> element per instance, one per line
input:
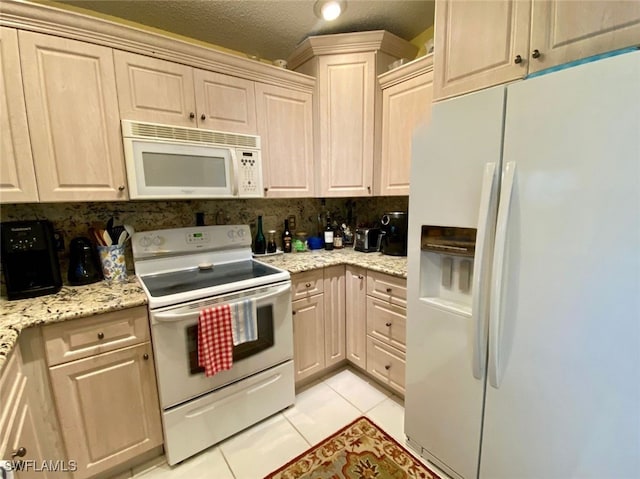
<point x="358" y="451"/>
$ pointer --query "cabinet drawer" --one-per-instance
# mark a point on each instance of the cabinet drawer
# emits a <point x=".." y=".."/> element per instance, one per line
<point x="86" y="337"/>
<point x="386" y="364"/>
<point x="307" y="284"/>
<point x="387" y="288"/>
<point x="387" y="323"/>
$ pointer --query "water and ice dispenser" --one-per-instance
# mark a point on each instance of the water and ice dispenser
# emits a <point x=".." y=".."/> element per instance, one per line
<point x="446" y="266"/>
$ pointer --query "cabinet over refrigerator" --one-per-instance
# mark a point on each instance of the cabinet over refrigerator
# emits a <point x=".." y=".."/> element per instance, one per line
<point x="526" y="362"/>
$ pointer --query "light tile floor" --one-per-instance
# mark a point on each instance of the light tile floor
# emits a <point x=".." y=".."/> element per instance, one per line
<point x="320" y="409"/>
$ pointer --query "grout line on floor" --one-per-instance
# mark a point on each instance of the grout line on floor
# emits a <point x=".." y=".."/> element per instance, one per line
<point x="226" y="461"/>
<point x="297" y="430"/>
<point x="347" y="399"/>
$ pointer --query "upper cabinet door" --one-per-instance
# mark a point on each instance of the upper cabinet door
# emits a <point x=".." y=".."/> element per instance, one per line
<point x="72" y="107"/>
<point x="477" y="44"/>
<point x="17" y="176"/>
<point x="225" y="103"/>
<point x="405" y="105"/>
<point x="285" y="126"/>
<point x="347" y="85"/>
<point x="563" y="31"/>
<point x="155" y="90"/>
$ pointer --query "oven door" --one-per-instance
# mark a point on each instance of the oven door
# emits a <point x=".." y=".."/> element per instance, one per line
<point x="174" y="332"/>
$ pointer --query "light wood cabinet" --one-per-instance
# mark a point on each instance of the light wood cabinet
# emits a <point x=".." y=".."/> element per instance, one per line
<point x="563" y="31"/>
<point x="480" y="44"/>
<point x="386" y="329"/>
<point x="308" y="336"/>
<point x="17" y="176"/>
<point x="348" y="105"/>
<point x="334" y="315"/>
<point x="74" y="124"/>
<point x="107" y="403"/>
<point x="159" y="91"/>
<point x="285" y="126"/>
<point x="20" y="436"/>
<point x="387" y="364"/>
<point x="319" y="310"/>
<point x="355" y="316"/>
<point x="407" y="92"/>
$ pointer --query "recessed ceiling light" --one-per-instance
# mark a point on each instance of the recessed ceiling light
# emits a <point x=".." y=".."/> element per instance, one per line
<point x="329" y="9"/>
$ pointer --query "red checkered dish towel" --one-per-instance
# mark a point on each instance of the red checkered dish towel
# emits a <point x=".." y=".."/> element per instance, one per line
<point x="215" y="339"/>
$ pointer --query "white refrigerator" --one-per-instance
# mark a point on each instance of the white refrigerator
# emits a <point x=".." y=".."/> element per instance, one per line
<point x="523" y="360"/>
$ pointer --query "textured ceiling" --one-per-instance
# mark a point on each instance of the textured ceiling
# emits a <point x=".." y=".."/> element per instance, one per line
<point x="264" y="28"/>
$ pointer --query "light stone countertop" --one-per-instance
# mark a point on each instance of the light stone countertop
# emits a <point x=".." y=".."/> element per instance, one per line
<point x="73" y="302"/>
<point x="308" y="260"/>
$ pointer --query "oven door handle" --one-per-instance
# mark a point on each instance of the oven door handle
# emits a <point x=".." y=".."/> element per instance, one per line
<point x="170" y="317"/>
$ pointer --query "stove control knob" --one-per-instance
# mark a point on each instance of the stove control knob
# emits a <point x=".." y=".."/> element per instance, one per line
<point x="240" y="233"/>
<point x="145" y="241"/>
<point x="158" y="240"/>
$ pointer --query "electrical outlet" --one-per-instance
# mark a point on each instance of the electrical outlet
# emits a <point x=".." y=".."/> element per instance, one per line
<point x="292" y="222"/>
<point x="58" y="240"/>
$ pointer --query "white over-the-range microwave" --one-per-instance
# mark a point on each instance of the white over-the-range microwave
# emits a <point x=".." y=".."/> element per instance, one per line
<point x="172" y="162"/>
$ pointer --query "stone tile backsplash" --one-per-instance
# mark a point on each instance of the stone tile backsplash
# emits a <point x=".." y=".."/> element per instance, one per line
<point x="74" y="219"/>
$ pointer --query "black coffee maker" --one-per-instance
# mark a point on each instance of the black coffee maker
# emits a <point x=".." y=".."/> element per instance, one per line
<point x="84" y="267"/>
<point x="394" y="238"/>
<point x="29" y="259"/>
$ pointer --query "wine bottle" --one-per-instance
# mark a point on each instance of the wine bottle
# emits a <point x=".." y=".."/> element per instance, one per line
<point x="286" y="238"/>
<point x="260" y="243"/>
<point x="328" y="235"/>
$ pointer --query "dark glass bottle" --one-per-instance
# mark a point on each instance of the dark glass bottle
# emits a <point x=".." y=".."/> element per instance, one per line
<point x="328" y="235"/>
<point x="286" y="238"/>
<point x="260" y="243"/>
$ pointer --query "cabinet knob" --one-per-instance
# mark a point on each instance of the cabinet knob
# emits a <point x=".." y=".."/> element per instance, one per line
<point x="308" y="285"/>
<point x="101" y="335"/>
<point x="535" y="53"/>
<point x="192" y="115"/>
<point x="20" y="452"/>
<point x="388" y="325"/>
<point x="293" y="312"/>
<point x="145" y="356"/>
<point x="203" y="117"/>
<point x="369" y="189"/>
<point x="389" y="290"/>
<point x="387" y="367"/>
<point x="517" y="60"/>
<point x="121" y="188"/>
<point x="266" y="189"/>
<point x="360" y="276"/>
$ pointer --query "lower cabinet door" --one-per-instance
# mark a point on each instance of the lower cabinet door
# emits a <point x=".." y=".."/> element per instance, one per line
<point x="108" y="408"/>
<point x="308" y="336"/>
<point x="386" y="364"/>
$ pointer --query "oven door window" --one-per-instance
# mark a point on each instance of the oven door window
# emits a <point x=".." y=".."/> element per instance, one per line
<point x="265" y="340"/>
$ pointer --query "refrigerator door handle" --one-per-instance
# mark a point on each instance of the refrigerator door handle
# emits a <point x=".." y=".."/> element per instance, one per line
<point x="495" y="316"/>
<point x="481" y="266"/>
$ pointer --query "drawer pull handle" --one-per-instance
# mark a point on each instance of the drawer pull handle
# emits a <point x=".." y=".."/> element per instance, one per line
<point x="20" y="452"/>
<point x="389" y="290"/>
<point x="387" y="367"/>
<point x="308" y="285"/>
<point x="145" y="356"/>
<point x="360" y="276"/>
<point x="100" y="335"/>
<point x="388" y="324"/>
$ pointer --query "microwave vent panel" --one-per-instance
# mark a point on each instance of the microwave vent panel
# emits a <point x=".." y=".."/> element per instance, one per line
<point x="192" y="135"/>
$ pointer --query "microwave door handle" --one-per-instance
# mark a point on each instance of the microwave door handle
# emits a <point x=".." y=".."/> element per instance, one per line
<point x="232" y="173"/>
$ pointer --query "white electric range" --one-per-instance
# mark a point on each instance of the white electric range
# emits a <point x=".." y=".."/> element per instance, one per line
<point x="183" y="271"/>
